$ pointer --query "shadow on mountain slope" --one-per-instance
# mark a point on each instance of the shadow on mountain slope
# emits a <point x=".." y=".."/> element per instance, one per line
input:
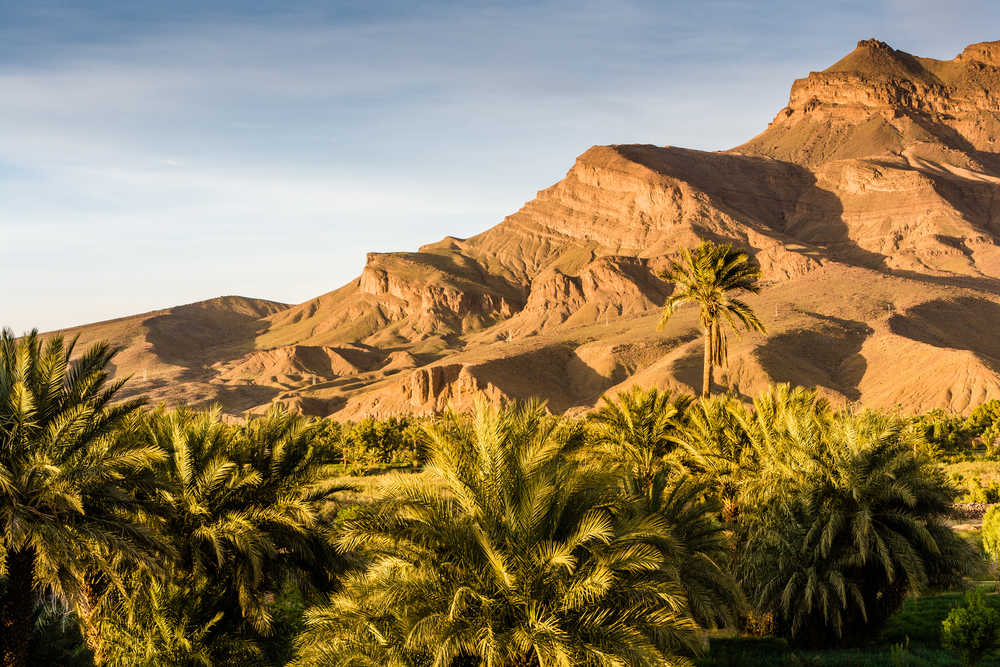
<point x="966" y="323"/>
<point x="778" y="198"/>
<point x="827" y="355"/>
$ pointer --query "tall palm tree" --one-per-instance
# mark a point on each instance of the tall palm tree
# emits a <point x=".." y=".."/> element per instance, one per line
<point x="513" y="556"/>
<point x="637" y="430"/>
<point x="710" y="276"/>
<point x="59" y="458"/>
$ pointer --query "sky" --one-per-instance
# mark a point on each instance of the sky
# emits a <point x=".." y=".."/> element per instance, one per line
<point x="160" y="153"/>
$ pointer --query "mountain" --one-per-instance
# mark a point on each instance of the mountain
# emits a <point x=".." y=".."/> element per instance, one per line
<point x="872" y="202"/>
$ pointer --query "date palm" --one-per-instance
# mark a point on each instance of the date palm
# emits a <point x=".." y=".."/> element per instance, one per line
<point x="242" y="506"/>
<point x="65" y="497"/>
<point x="717" y="448"/>
<point x="711" y="276"/>
<point x="842" y="521"/>
<point x="636" y="435"/>
<point x="637" y="430"/>
<point x="510" y="555"/>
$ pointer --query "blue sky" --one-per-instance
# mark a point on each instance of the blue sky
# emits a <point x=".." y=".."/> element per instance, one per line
<point x="158" y="153"/>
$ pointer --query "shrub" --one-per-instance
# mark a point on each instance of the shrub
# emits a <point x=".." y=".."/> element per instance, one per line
<point x="948" y="433"/>
<point x="983" y="417"/>
<point x="372" y="442"/>
<point x="977" y="493"/>
<point x="972" y="630"/>
<point x="991" y="533"/>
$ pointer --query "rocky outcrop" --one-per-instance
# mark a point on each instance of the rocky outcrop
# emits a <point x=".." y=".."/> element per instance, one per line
<point x="878" y="99"/>
<point x="434" y="389"/>
<point x="413" y="286"/>
<point x="607" y="288"/>
<point x="298" y="365"/>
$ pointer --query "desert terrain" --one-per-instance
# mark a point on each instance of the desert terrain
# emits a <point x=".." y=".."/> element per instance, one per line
<point x="872" y="203"/>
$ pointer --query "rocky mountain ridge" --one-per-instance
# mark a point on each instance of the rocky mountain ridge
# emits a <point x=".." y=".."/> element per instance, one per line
<point x="872" y="202"/>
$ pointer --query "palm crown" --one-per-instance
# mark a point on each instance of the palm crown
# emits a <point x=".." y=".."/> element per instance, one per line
<point x="637" y="430"/>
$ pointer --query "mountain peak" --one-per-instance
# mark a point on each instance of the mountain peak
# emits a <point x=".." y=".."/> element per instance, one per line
<point x="874" y="57"/>
<point x="984" y="52"/>
<point x="878" y="100"/>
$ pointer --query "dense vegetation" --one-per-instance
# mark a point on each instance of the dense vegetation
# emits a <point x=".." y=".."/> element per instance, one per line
<point x="512" y="537"/>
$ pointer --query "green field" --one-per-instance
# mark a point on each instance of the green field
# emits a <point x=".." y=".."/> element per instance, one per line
<point x="912" y="637"/>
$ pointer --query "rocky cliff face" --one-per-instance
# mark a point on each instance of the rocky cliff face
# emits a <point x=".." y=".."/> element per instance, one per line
<point x="878" y="100"/>
<point x="872" y="202"/>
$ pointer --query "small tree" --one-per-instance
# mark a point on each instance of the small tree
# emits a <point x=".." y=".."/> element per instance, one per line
<point x="972" y="630"/>
<point x="991" y="534"/>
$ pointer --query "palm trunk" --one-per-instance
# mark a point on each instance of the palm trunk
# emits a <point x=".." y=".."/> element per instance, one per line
<point x="18" y="607"/>
<point x="706" y="374"/>
<point x="93" y="634"/>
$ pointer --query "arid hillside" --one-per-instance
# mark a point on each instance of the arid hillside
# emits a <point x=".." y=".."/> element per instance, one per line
<point x="872" y="202"/>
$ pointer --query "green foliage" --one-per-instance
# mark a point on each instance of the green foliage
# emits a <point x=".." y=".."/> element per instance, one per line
<point x="372" y="442"/>
<point x="522" y="558"/>
<point x="67" y="463"/>
<point x="175" y="538"/>
<point x="172" y="622"/>
<point x="949" y="433"/>
<point x="382" y="440"/>
<point x="977" y="493"/>
<point x="709" y="275"/>
<point x="972" y="630"/>
<point x="984" y="417"/>
<point x="912" y="636"/>
<point x="843" y="518"/>
<point x="637" y="431"/>
<point x="241" y="505"/>
<point x="991" y="533"/>
<point x="718" y="448"/>
<point x="747" y="652"/>
<point x="55" y="636"/>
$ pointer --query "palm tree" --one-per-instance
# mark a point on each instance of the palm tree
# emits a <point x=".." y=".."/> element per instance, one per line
<point x="637" y="430"/>
<point x="638" y="435"/>
<point x="64" y="501"/>
<point x="717" y="448"/>
<point x="709" y="275"/>
<point x="242" y="506"/>
<point x="842" y="520"/>
<point x="695" y="546"/>
<point x="511" y="555"/>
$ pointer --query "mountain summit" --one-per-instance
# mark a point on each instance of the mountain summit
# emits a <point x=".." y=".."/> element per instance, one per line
<point x="872" y="202"/>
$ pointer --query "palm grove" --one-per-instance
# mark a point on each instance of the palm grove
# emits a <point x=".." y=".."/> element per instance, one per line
<point x="173" y="538"/>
